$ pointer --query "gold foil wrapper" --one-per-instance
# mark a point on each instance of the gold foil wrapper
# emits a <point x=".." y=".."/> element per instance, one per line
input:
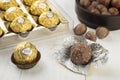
<point x="13" y="13"/>
<point x="5" y="4"/>
<point x="25" y="52"/>
<point x="28" y="2"/>
<point x="49" y="19"/>
<point x="38" y="7"/>
<point x="1" y="32"/>
<point x="21" y="25"/>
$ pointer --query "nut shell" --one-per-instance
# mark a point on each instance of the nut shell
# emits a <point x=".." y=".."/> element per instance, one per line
<point x="91" y="36"/>
<point x="102" y="32"/>
<point x="80" y="29"/>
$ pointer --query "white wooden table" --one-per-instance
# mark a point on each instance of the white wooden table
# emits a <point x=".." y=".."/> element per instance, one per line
<point x="49" y="69"/>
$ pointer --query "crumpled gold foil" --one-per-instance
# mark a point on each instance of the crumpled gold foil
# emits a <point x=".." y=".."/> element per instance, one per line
<point x="14" y="12"/>
<point x="25" y="52"/>
<point x="38" y="7"/>
<point x="28" y="2"/>
<point x="5" y="4"/>
<point x="1" y="32"/>
<point x="48" y="19"/>
<point x="21" y="25"/>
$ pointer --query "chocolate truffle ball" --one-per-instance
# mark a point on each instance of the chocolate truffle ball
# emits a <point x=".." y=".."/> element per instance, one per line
<point x="25" y="52"/>
<point x="5" y="4"/>
<point x="80" y="53"/>
<point x="85" y="3"/>
<point x="21" y="25"/>
<point x="91" y="36"/>
<point x="80" y="29"/>
<point x="102" y="32"/>
<point x="14" y="12"/>
<point x="25" y="55"/>
<point x="49" y="19"/>
<point x="38" y="7"/>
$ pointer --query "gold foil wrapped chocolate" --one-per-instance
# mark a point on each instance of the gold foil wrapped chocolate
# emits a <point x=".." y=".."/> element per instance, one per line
<point x="49" y="19"/>
<point x="25" y="52"/>
<point x="28" y="2"/>
<point x="14" y="12"/>
<point x="38" y="7"/>
<point x="21" y="25"/>
<point x="5" y="4"/>
<point x="1" y="32"/>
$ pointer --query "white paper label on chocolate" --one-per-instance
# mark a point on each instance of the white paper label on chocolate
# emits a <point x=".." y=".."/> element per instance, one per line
<point x="49" y="15"/>
<point x="27" y="51"/>
<point x="42" y="5"/>
<point x="20" y="20"/>
<point x="6" y="0"/>
<point x="11" y="9"/>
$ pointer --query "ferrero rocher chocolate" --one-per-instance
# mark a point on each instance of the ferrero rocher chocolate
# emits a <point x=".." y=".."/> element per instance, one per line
<point x="21" y="25"/>
<point x="5" y="4"/>
<point x="49" y="19"/>
<point x="25" y="52"/>
<point x="38" y="7"/>
<point x="1" y="32"/>
<point x="28" y="2"/>
<point x="80" y="53"/>
<point x="14" y="12"/>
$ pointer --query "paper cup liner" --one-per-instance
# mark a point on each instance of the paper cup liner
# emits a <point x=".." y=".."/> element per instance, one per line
<point x="27" y="65"/>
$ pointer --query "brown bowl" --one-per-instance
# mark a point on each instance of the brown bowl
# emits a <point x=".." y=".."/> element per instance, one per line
<point x="94" y="20"/>
<point x="27" y="65"/>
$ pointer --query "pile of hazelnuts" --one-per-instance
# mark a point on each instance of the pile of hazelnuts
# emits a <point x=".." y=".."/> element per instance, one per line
<point x="104" y="7"/>
<point x="101" y="32"/>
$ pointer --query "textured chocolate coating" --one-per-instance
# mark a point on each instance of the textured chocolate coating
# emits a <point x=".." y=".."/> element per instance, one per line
<point x="80" y="53"/>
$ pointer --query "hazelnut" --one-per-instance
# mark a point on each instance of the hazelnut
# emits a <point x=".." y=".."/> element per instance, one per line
<point x="101" y="8"/>
<point x="93" y="9"/>
<point x="91" y="36"/>
<point x="116" y="3"/>
<point x="104" y="2"/>
<point x="94" y="3"/>
<point x="85" y="3"/>
<point x="113" y="11"/>
<point x="80" y="29"/>
<point x="106" y="13"/>
<point x="102" y="32"/>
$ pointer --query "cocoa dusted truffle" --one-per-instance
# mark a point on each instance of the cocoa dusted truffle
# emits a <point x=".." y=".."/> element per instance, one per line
<point x="14" y="12"/>
<point x="80" y="53"/>
<point x="5" y="4"/>
<point x="38" y="7"/>
<point x="25" y="55"/>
